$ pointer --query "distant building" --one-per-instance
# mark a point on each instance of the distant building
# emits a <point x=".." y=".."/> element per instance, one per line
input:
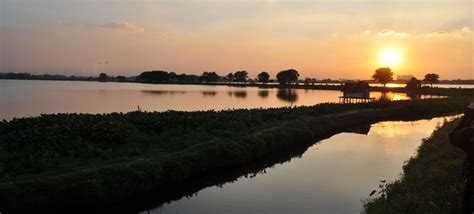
<point x="404" y="78"/>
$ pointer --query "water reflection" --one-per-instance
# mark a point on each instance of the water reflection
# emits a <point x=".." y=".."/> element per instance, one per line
<point x="363" y="129"/>
<point x="263" y="93"/>
<point x="288" y="95"/>
<point x="21" y="98"/>
<point x="238" y="94"/>
<point x="209" y="93"/>
<point x="160" y="92"/>
<point x="331" y="176"/>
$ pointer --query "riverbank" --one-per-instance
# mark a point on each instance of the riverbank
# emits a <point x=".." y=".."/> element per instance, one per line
<point x="82" y="159"/>
<point x="432" y="181"/>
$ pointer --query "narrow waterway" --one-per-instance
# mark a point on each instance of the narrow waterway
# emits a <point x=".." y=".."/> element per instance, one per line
<point x="332" y="176"/>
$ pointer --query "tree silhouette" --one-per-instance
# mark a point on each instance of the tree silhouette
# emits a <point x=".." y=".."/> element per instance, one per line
<point x="263" y="77"/>
<point x="287" y="76"/>
<point x="121" y="79"/>
<point x="154" y="76"/>
<point x="431" y="79"/>
<point x="240" y="76"/>
<point x="383" y="75"/>
<point x="413" y="84"/>
<point x="102" y="77"/>
<point x="229" y="77"/>
<point x="209" y="77"/>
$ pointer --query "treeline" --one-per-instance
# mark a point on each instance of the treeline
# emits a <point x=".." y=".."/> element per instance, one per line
<point x="102" y="77"/>
<point x="285" y="77"/>
<point x="290" y="76"/>
<point x="28" y="76"/>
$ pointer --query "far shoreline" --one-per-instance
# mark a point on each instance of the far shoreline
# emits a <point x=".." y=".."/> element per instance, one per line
<point x="425" y="90"/>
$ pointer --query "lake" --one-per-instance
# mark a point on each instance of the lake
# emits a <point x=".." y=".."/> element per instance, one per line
<point x="22" y="98"/>
<point x="332" y="176"/>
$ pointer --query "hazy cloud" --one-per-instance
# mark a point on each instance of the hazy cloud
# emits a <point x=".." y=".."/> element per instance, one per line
<point x="392" y="33"/>
<point x="465" y="31"/>
<point x="124" y="26"/>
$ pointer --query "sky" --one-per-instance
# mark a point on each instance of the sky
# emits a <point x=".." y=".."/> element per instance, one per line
<point x="337" y="39"/>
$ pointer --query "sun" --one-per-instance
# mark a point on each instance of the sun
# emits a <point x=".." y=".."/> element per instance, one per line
<point x="390" y="57"/>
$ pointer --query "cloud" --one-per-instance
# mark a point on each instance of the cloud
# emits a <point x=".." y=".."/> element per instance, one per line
<point x="124" y="26"/>
<point x="465" y="31"/>
<point x="392" y="33"/>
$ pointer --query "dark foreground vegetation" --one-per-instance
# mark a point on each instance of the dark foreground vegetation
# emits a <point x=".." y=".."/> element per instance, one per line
<point x="432" y="181"/>
<point x="81" y="159"/>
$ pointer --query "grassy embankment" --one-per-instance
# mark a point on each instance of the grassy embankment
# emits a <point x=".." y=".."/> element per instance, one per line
<point x="78" y="159"/>
<point x="432" y="181"/>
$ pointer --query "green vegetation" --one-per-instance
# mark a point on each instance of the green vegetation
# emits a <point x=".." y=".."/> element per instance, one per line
<point x="432" y="181"/>
<point x="51" y="141"/>
<point x="86" y="159"/>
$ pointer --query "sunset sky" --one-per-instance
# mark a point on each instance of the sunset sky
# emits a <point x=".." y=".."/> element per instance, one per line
<point x="321" y="39"/>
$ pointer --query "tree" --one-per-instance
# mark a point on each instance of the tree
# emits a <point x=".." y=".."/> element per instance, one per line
<point x="102" y="77"/>
<point x="121" y="79"/>
<point x="413" y="84"/>
<point x="287" y="76"/>
<point x="229" y="77"/>
<point x="154" y="76"/>
<point x="240" y="76"/>
<point x="263" y="77"/>
<point x="308" y="81"/>
<point x="431" y="79"/>
<point x="383" y="75"/>
<point x="209" y="77"/>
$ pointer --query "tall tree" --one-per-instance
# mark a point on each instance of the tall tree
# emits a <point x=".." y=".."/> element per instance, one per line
<point x="383" y="75"/>
<point x="288" y="76"/>
<point x="263" y="77"/>
<point x="241" y="76"/>
<point x="431" y="79"/>
<point x="102" y="77"/>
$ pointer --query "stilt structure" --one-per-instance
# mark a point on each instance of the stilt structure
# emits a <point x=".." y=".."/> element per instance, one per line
<point x="356" y="93"/>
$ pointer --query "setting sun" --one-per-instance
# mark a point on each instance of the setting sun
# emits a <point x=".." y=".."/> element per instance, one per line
<point x="390" y="57"/>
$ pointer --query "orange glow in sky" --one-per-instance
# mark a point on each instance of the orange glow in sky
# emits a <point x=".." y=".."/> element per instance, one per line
<point x="390" y="57"/>
<point x="313" y="37"/>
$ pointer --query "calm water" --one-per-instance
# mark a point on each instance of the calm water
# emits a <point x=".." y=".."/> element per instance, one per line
<point x="21" y="98"/>
<point x="332" y="176"/>
<point x="435" y="85"/>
